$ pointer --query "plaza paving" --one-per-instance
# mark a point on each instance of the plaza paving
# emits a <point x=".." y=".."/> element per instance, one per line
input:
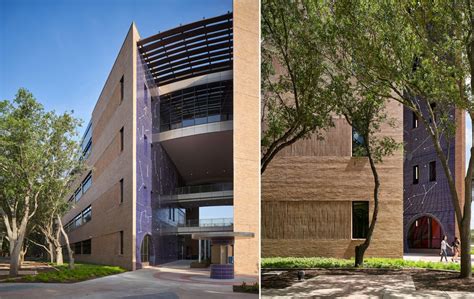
<point x="358" y="286"/>
<point x="170" y="281"/>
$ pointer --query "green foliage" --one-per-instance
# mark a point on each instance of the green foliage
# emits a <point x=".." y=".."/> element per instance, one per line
<point x="320" y="262"/>
<point x="297" y="83"/>
<point x="81" y="272"/>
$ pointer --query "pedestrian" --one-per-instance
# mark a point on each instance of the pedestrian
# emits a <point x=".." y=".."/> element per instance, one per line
<point x="444" y="246"/>
<point x="456" y="245"/>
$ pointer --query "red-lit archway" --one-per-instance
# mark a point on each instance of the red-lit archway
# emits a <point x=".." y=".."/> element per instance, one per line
<point x="425" y="233"/>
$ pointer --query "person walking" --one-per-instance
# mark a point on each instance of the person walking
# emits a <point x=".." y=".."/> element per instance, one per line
<point x="444" y="248"/>
<point x="456" y="245"/>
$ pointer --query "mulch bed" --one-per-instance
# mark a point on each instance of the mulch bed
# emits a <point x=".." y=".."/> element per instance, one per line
<point x="423" y="279"/>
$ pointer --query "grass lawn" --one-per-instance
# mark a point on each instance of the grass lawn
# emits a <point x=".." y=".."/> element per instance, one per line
<point x="319" y="262"/>
<point x="81" y="272"/>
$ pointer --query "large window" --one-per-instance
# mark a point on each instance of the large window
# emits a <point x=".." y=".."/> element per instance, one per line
<point x="86" y="143"/>
<point x="358" y="144"/>
<point x="196" y="105"/>
<point x="416" y="174"/>
<point x="83" y="247"/>
<point x="80" y="219"/>
<point x="87" y="246"/>
<point x="360" y="219"/>
<point x="432" y="171"/>
<point x="85" y="185"/>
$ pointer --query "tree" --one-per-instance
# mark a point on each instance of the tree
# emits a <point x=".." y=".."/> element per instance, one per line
<point x="364" y="110"/>
<point x="296" y="81"/>
<point x="33" y="146"/>
<point x="419" y="53"/>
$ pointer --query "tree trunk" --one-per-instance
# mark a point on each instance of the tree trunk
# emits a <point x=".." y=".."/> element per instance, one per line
<point x="15" y="256"/>
<point x="68" y="246"/>
<point x="59" y="256"/>
<point x="465" y="231"/>
<point x="23" y="254"/>
<point x="51" y="250"/>
<point x="360" y="249"/>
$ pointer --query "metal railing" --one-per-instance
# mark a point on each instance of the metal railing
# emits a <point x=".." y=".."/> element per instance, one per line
<point x="214" y="222"/>
<point x="204" y="188"/>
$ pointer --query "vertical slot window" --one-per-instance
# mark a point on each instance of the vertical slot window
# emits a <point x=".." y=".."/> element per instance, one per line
<point x="416" y="174"/>
<point x="360" y="219"/>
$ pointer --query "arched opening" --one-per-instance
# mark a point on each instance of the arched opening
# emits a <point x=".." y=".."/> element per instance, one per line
<point x="145" y="249"/>
<point x="425" y="233"/>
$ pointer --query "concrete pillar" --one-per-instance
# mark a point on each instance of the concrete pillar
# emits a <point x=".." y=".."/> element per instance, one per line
<point x="205" y="249"/>
<point x="199" y="258"/>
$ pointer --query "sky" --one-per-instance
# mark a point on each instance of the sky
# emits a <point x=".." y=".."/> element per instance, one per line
<point x="63" y="51"/>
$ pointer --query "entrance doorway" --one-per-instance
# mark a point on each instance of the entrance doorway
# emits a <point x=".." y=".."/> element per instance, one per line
<point x="425" y="233"/>
<point x="145" y="250"/>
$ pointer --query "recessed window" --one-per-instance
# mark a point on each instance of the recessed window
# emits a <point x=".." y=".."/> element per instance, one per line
<point x="121" y="191"/>
<point x="360" y="219"/>
<point x="169" y="213"/>
<point x="432" y="171"/>
<point x="414" y="120"/>
<point x="358" y="144"/>
<point x="121" y="89"/>
<point x="121" y="139"/>
<point x="86" y="246"/>
<point x="77" y="248"/>
<point x="416" y="174"/>
<point x="121" y="242"/>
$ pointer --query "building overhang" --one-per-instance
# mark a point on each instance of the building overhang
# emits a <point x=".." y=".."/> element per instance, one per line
<point x="222" y="235"/>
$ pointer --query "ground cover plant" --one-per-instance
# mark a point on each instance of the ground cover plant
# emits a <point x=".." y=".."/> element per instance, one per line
<point x="320" y="262"/>
<point x="79" y="273"/>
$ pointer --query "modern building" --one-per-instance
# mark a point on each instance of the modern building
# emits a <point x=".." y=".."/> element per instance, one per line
<point x="176" y="128"/>
<point x="428" y="212"/>
<point x="317" y="197"/>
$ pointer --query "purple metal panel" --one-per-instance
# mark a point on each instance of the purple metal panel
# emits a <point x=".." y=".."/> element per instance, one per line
<point x="425" y="198"/>
<point x="143" y="158"/>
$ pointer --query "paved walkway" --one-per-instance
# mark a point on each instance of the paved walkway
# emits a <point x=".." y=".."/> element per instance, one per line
<point x="358" y="286"/>
<point x="428" y="257"/>
<point x="163" y="282"/>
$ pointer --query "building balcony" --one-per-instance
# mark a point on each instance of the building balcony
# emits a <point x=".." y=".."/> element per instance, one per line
<point x="221" y="194"/>
<point x="206" y="225"/>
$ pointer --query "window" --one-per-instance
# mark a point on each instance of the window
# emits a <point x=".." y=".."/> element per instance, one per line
<point x="77" y="248"/>
<point x="87" y="215"/>
<point x="169" y="213"/>
<point x="121" y="89"/>
<point x="121" y="242"/>
<point x="87" y="183"/>
<point x="78" y="194"/>
<point x="78" y="220"/>
<point x="360" y="219"/>
<point x="416" y="174"/>
<point x="145" y="144"/>
<point x="415" y="120"/>
<point x="86" y="246"/>
<point x="121" y="191"/>
<point x="432" y="171"/>
<point x="358" y="144"/>
<point x="173" y="215"/>
<point x="121" y="139"/>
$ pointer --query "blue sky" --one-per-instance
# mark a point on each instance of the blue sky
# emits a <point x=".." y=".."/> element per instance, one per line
<point x="63" y="51"/>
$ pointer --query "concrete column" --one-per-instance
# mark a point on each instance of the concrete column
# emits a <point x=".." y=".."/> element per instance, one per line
<point x="205" y="249"/>
<point x="199" y="258"/>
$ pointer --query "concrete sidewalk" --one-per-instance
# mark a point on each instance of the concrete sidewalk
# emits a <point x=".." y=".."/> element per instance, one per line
<point x="359" y="286"/>
<point x="163" y="282"/>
